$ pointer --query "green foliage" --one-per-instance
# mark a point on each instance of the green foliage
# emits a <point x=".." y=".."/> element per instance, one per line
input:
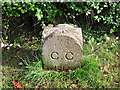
<point x="46" y="12"/>
<point x="108" y="13"/>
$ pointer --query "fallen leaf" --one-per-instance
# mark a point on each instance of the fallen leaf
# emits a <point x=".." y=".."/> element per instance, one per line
<point x="18" y="86"/>
<point x="0" y="63"/>
<point x="17" y="52"/>
<point x="69" y="70"/>
<point x="44" y="83"/>
<point x="105" y="65"/>
<point x="50" y="25"/>
<point x="91" y="87"/>
<point x="39" y="79"/>
<point x="14" y="83"/>
<point x="74" y="85"/>
<point x="2" y="49"/>
<point x="38" y="87"/>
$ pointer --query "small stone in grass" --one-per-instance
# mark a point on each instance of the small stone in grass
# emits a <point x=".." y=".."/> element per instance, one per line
<point x="85" y="86"/>
<point x="105" y="75"/>
<point x="107" y="38"/>
<point x="117" y="38"/>
<point x="20" y="63"/>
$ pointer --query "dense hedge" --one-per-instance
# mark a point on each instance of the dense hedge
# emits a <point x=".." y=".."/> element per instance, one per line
<point x="83" y="14"/>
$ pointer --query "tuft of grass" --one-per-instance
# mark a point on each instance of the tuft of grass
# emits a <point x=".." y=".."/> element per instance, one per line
<point x="87" y="74"/>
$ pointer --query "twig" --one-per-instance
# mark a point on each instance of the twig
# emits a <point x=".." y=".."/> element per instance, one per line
<point x="36" y="24"/>
<point x="21" y="25"/>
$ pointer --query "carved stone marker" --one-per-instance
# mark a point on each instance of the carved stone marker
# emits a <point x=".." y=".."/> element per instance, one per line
<point x="62" y="46"/>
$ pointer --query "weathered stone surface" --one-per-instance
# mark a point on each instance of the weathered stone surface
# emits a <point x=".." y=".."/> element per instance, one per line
<point x="62" y="46"/>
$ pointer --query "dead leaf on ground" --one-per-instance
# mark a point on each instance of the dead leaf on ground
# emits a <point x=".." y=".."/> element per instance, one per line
<point x="0" y="63"/>
<point x="38" y="87"/>
<point x="17" y="84"/>
<point x="17" y="53"/>
<point x="104" y="65"/>
<point x="69" y="70"/>
<point x="14" y="83"/>
<point x="44" y="83"/>
<point x="74" y="85"/>
<point x="2" y="49"/>
<point x="39" y="79"/>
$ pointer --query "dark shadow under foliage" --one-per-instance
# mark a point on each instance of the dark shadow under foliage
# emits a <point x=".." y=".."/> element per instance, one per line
<point x="28" y="20"/>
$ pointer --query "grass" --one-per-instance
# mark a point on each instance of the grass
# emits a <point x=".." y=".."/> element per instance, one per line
<point x="99" y="69"/>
